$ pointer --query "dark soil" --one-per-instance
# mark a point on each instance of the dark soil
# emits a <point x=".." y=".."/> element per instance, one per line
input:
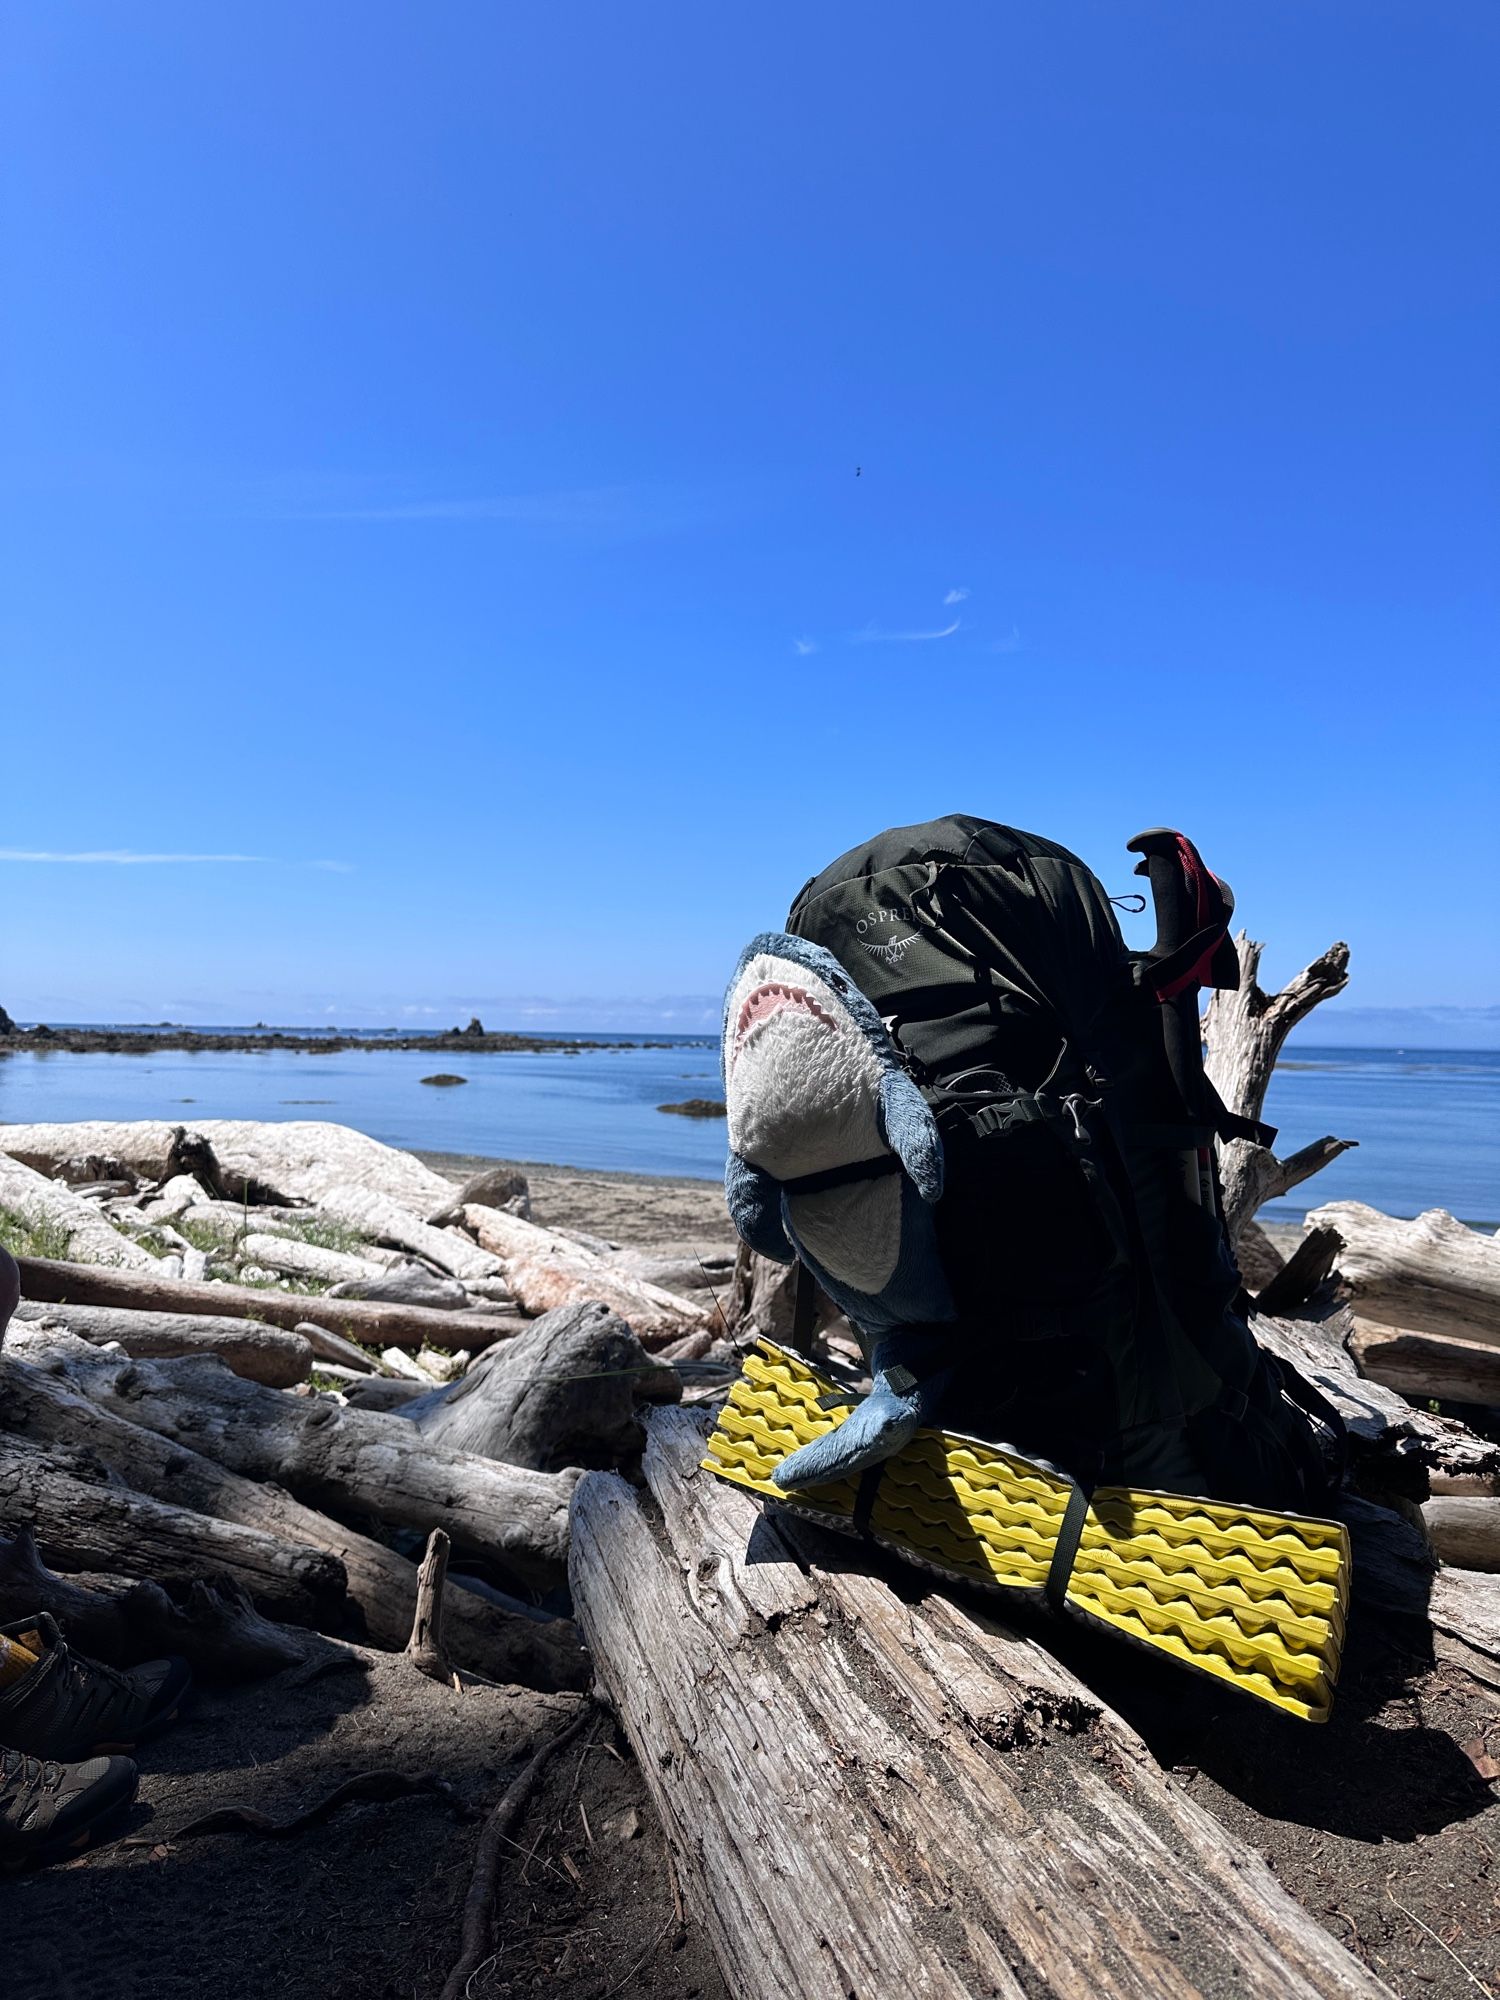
<point x="366" y="1905"/>
<point x="1382" y="1806"/>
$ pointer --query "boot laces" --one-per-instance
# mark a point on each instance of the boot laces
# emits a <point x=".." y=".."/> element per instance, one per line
<point x="32" y="1772"/>
<point x="95" y="1682"/>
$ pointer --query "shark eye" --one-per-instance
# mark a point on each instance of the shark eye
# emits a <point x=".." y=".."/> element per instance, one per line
<point x="838" y="985"/>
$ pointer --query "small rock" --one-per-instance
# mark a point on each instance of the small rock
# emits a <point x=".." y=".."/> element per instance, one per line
<point x="698" y="1107"/>
<point x="443" y="1079"/>
<point x="257" y="1274"/>
<point x="626" y="1825"/>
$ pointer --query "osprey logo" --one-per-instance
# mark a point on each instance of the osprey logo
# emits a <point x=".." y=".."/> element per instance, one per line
<point x="880" y="942"/>
<point x="892" y="950"/>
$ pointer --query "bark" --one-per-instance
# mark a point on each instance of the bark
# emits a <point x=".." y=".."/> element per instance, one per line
<point x="1432" y="1274"/>
<point x="1244" y="1031"/>
<point x="369" y="1323"/>
<point x="385" y="1221"/>
<point x="43" y="1404"/>
<point x="264" y="1354"/>
<point x="214" y="1627"/>
<point x="835" y="1768"/>
<point x="545" y="1271"/>
<point x="569" y="1391"/>
<point x="42" y="1202"/>
<point x="328" y="1456"/>
<point x="83" y="1522"/>
<point x="1427" y="1365"/>
<point x="300" y="1160"/>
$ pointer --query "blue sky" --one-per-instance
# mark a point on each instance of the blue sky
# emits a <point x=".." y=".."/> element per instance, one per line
<point x="430" y="443"/>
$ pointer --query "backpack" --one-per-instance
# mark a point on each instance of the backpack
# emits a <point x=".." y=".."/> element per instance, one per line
<point x="1100" y="1307"/>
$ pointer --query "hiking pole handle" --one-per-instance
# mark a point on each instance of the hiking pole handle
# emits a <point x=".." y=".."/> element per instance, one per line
<point x="1171" y="896"/>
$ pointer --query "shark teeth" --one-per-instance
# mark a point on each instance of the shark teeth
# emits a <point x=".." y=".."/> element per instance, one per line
<point x="774" y="997"/>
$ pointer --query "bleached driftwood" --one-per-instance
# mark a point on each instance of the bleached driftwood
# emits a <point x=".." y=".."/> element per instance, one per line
<point x="568" y="1391"/>
<point x="266" y="1354"/>
<point x="1399" y="1449"/>
<point x="214" y="1627"/>
<point x="42" y="1202"/>
<point x="296" y="1161"/>
<point x="372" y="1324"/>
<point x="836" y="1770"/>
<point x="352" y="1460"/>
<point x="1464" y="1529"/>
<point x="1431" y="1274"/>
<point x="47" y="1404"/>
<point x="1427" y="1364"/>
<point x="382" y="1220"/>
<point x="296" y="1259"/>
<point x="83" y="1524"/>
<point x="545" y="1271"/>
<point x="1244" y="1031"/>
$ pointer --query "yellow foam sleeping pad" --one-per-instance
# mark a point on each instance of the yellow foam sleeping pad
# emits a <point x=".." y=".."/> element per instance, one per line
<point x="1256" y="1599"/>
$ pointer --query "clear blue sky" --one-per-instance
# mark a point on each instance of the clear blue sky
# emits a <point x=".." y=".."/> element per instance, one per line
<point x="430" y="438"/>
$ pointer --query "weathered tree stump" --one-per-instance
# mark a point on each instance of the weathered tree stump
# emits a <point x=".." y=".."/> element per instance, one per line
<point x="844" y="1777"/>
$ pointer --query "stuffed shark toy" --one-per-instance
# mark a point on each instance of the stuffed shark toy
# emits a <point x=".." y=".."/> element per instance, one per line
<point x="835" y="1159"/>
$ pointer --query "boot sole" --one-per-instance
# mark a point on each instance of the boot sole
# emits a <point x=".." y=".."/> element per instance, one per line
<point x="65" y="1846"/>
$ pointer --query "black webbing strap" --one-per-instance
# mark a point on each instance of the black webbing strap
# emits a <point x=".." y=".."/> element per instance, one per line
<point x="1068" y="1537"/>
<point x="864" y="1498"/>
<point x="804" y="1309"/>
<point x="832" y="1177"/>
<point x="1229" y="1124"/>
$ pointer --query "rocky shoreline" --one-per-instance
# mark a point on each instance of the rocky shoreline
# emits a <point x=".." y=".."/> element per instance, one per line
<point x="473" y="1040"/>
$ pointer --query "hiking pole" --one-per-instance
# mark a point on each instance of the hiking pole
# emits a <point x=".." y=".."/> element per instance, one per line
<point x="1179" y="923"/>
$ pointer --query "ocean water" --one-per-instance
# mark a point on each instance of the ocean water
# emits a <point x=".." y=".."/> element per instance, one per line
<point x="1427" y="1121"/>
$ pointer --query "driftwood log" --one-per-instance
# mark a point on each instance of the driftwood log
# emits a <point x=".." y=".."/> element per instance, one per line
<point x="293" y="1258"/>
<point x="844" y="1777"/>
<point x="546" y="1270"/>
<point x="296" y="1161"/>
<point x="383" y="1220"/>
<point x="1464" y="1530"/>
<point x="267" y="1354"/>
<point x="47" y="1403"/>
<point x="1244" y="1031"/>
<point x="351" y="1460"/>
<point x="85" y="1521"/>
<point x="1431" y="1274"/>
<point x="213" y="1626"/>
<point x="1427" y="1364"/>
<point x="371" y="1324"/>
<point x="45" y="1203"/>
<point x="568" y="1391"/>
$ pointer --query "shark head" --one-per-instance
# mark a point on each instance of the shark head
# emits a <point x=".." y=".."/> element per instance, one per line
<point x="811" y="1077"/>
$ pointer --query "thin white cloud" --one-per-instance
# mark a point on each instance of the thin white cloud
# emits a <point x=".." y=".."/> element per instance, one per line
<point x="957" y="595"/>
<point x="872" y="635"/>
<point x="127" y="857"/>
<point x="802" y="647"/>
<point x="117" y="856"/>
<point x="1011" y="643"/>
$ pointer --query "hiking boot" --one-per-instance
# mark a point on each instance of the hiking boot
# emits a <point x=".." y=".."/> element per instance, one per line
<point x="48" y="1810"/>
<point x="66" y="1706"/>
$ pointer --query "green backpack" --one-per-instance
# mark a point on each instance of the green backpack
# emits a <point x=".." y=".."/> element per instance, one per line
<point x="1080" y="1227"/>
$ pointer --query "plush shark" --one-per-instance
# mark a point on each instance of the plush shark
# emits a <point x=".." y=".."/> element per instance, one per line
<point x="835" y="1159"/>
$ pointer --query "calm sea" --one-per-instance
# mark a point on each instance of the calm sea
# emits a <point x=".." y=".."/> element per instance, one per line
<point x="1427" y="1121"/>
